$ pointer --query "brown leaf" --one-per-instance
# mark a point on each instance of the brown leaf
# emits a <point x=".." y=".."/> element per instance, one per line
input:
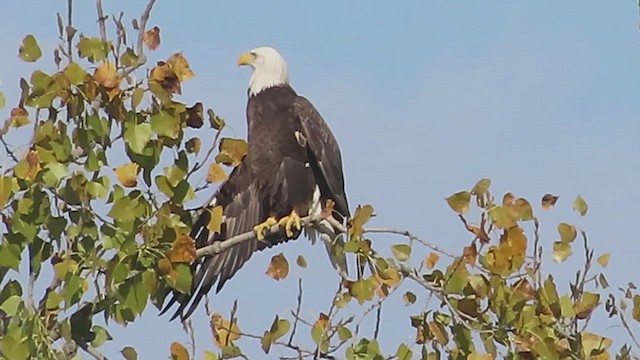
<point x="194" y="116"/>
<point x="278" y="267"/>
<point x="549" y="201"/>
<point x="223" y="331"/>
<point x="470" y="254"/>
<point x="127" y="174"/>
<point x="215" y="223"/>
<point x="193" y="145"/>
<point x="163" y="75"/>
<point x="180" y="66"/>
<point x="183" y="250"/>
<point x="231" y="151"/>
<point x="431" y="260"/>
<point x="151" y="38"/>
<point x="33" y="159"/>
<point x="215" y="173"/>
<point x="301" y="261"/>
<point x="179" y="352"/>
<point x="19" y="117"/>
<point x="322" y="322"/>
<point x="508" y="199"/>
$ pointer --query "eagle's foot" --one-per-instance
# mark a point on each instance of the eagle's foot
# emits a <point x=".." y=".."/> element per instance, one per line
<point x="289" y="222"/>
<point x="261" y="229"/>
<point x="328" y="208"/>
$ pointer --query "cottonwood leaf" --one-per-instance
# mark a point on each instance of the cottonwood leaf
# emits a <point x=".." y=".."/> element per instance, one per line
<point x="580" y="206"/>
<point x="193" y="145"/>
<point x="29" y="49"/>
<point x="223" y="331"/>
<point x="215" y="223"/>
<point x="107" y="76"/>
<point x="301" y="261"/>
<point x="216" y="173"/>
<point x="431" y="260"/>
<point x="561" y="251"/>
<point x="151" y="38"/>
<point x="183" y="250"/>
<point x="361" y="217"/>
<point x="129" y="353"/>
<point x="567" y="232"/>
<point x="401" y="252"/>
<point x="18" y="118"/>
<point x="603" y="259"/>
<point x="127" y="174"/>
<point x="278" y="267"/>
<point x="179" y="352"/>
<point x="231" y="151"/>
<point x="180" y="66"/>
<point x="459" y="202"/>
<point x="409" y="298"/>
<point x="549" y="201"/>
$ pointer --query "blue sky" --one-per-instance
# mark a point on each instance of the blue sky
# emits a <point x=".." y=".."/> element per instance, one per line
<point x="425" y="98"/>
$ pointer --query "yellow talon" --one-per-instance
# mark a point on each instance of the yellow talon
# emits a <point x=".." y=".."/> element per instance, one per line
<point x="290" y="221"/>
<point x="262" y="228"/>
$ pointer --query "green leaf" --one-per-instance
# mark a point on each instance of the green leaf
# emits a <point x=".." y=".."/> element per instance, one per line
<point x="163" y="124"/>
<point x="136" y="97"/>
<point x="401" y="252"/>
<point x="93" y="49"/>
<point x="344" y="333"/>
<point x="29" y="50"/>
<point x="75" y="74"/>
<point x="137" y="136"/>
<point x="561" y="251"/>
<point x="459" y="202"/>
<point x="636" y="308"/>
<point x="10" y="256"/>
<point x="11" y="305"/>
<point x="174" y="175"/>
<point x="230" y="352"/>
<point x="404" y="352"/>
<point x="580" y="206"/>
<point x="208" y="355"/>
<point x="481" y="187"/>
<point x="362" y="290"/>
<point x="129" y="353"/>
<point x="53" y="300"/>
<point x="19" y="347"/>
<point x="101" y="336"/>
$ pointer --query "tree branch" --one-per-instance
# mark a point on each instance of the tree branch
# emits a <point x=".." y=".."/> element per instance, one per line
<point x="92" y="351"/>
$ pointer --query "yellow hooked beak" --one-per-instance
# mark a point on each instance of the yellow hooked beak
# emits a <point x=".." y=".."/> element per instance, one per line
<point x="246" y="59"/>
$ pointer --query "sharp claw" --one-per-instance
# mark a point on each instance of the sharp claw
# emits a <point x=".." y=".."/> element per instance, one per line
<point x="261" y="229"/>
<point x="290" y="221"/>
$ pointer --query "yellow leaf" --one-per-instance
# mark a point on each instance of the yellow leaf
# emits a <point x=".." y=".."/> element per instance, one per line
<point x="151" y="38"/>
<point x="561" y="251"/>
<point x="603" y="259"/>
<point x="580" y="206"/>
<point x="502" y="217"/>
<point x="361" y="217"/>
<point x="231" y="151"/>
<point x="19" y="117"/>
<point x="180" y="66"/>
<point x="322" y="322"/>
<point x="431" y="260"/>
<point x="107" y="76"/>
<point x="215" y="223"/>
<point x="183" y="250"/>
<point x="278" y="267"/>
<point x="223" y="331"/>
<point x="33" y="160"/>
<point x="459" y="202"/>
<point x="567" y="232"/>
<point x="164" y="265"/>
<point x="179" y="352"/>
<point x="215" y="173"/>
<point x="586" y="305"/>
<point x="470" y="254"/>
<point x="476" y="356"/>
<point x="508" y="199"/>
<point x="193" y="145"/>
<point x="127" y="174"/>
<point x="438" y="333"/>
<point x="549" y="201"/>
<point x="593" y="344"/>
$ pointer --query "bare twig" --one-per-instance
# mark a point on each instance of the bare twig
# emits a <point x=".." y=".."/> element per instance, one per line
<point x="102" y="22"/>
<point x="411" y="237"/>
<point x="69" y="33"/>
<point x="296" y="316"/>
<point x="32" y="283"/>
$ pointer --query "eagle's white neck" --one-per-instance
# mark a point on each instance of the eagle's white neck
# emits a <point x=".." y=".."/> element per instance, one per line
<point x="268" y="72"/>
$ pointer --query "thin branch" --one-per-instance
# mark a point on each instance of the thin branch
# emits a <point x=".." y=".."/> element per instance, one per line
<point x="219" y="247"/>
<point x="102" y="22"/>
<point x="69" y="33"/>
<point x="32" y="283"/>
<point x="296" y="316"/>
<point x="411" y="236"/>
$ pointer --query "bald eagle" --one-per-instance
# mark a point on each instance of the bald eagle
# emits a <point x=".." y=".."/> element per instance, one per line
<point x="292" y="168"/>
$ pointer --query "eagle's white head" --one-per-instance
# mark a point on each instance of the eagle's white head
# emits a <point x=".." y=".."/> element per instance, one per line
<point x="269" y="68"/>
